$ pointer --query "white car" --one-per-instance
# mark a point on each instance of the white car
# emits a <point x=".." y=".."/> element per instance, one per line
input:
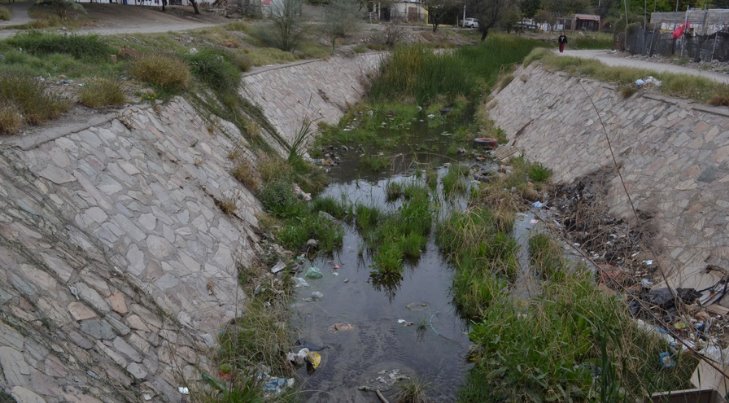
<point x="470" y="23"/>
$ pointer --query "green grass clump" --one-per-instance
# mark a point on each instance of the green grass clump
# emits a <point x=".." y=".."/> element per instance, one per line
<point x="215" y="68"/>
<point x="279" y="199"/>
<point x="597" y="40"/>
<point x="78" y="46"/>
<point x="24" y="97"/>
<point x="552" y="349"/>
<point x="165" y="72"/>
<point x="367" y="218"/>
<point x="393" y="191"/>
<point x="5" y="13"/>
<point x="538" y="173"/>
<point x="480" y="245"/>
<point x="454" y="182"/>
<point x="337" y="209"/>
<point x="297" y="231"/>
<point x="100" y="93"/>
<point x="546" y="257"/>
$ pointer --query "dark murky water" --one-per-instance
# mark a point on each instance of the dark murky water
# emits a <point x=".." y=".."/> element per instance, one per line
<point x="433" y="348"/>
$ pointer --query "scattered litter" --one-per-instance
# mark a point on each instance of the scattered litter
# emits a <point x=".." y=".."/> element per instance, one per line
<point x="313" y="273"/>
<point x="446" y="133"/>
<point x="667" y="360"/>
<point x="414" y="306"/>
<point x="346" y="280"/>
<point x="184" y="390"/>
<point x="648" y="262"/>
<point x="646" y="283"/>
<point x="335" y="273"/>
<point x="537" y="204"/>
<point x="312" y="243"/>
<point x="337" y="266"/>
<point x="313" y="358"/>
<point x="298" y="358"/>
<point x="486" y="142"/>
<point x="431" y="116"/>
<point x="301" y="194"/>
<point x="278" y="267"/>
<point x="340" y="327"/>
<point x="275" y="385"/>
<point x="404" y="322"/>
<point x="300" y="282"/>
<point x="680" y="325"/>
<point x="639" y="82"/>
<point x="533" y="221"/>
<point x="317" y="295"/>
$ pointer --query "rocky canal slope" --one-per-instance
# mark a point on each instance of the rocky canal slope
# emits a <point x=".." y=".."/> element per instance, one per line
<point x="118" y="266"/>
<point x="673" y="155"/>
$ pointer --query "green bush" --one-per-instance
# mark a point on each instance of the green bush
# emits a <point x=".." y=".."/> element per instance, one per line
<point x="23" y="94"/>
<point x="214" y="68"/>
<point x="165" y="72"/>
<point x="78" y="46"/>
<point x="101" y="92"/>
<point x="5" y="13"/>
<point x="278" y="198"/>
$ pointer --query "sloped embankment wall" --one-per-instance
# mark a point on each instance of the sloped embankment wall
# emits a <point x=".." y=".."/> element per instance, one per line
<point x="317" y="91"/>
<point x="118" y="267"/>
<point x="674" y="156"/>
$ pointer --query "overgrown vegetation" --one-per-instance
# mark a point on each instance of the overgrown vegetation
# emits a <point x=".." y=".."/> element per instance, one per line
<point x="24" y="100"/>
<point x="78" y="46"/>
<point x="572" y="342"/>
<point x="167" y="73"/>
<point x="679" y="85"/>
<point x="5" y="14"/>
<point x="102" y="92"/>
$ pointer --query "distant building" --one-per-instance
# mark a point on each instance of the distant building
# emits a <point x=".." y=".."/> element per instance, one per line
<point x="586" y="22"/>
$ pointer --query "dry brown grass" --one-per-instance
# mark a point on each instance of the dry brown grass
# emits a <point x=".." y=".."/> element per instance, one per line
<point x="100" y="93"/>
<point x="10" y="119"/>
<point x="245" y="173"/>
<point x="226" y="205"/>
<point x="166" y="72"/>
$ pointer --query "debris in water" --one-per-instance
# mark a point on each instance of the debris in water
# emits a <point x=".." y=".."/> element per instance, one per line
<point x="313" y="358"/>
<point x="278" y="267"/>
<point x="340" y="327"/>
<point x="300" y="282"/>
<point x="646" y="283"/>
<point x="275" y="385"/>
<point x="486" y="142"/>
<point x="317" y="295"/>
<point x="313" y="273"/>
<point x="533" y="221"/>
<point x="414" y="306"/>
<point x="404" y="322"/>
<point x="298" y="358"/>
<point x="537" y="204"/>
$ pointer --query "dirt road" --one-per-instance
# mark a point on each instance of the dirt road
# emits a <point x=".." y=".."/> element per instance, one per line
<point x="611" y="58"/>
<point x="112" y="19"/>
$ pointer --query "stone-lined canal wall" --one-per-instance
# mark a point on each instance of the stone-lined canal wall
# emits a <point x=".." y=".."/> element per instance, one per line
<point x="673" y="154"/>
<point x="118" y="266"/>
<point x="317" y="91"/>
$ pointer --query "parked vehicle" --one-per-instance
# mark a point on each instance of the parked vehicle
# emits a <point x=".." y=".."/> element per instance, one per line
<point x="470" y="23"/>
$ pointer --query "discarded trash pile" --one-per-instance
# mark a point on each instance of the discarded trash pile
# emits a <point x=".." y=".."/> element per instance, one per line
<point x="687" y="319"/>
<point x="616" y="246"/>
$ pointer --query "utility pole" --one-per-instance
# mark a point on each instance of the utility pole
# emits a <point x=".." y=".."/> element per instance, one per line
<point x="625" y="44"/>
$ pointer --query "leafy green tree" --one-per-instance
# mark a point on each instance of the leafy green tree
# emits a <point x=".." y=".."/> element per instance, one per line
<point x="490" y="13"/>
<point x="529" y="8"/>
<point x="439" y="9"/>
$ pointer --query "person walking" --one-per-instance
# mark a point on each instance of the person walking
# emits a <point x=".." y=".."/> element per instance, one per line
<point x="562" y="40"/>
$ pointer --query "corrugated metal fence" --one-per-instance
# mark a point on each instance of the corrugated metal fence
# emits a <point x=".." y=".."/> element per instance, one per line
<point x="697" y="47"/>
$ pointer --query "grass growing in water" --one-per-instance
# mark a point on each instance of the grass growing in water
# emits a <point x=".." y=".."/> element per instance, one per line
<point x="454" y="181"/>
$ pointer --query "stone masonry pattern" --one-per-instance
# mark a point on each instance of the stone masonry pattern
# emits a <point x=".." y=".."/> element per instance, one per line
<point x="118" y="270"/>
<point x="673" y="155"/>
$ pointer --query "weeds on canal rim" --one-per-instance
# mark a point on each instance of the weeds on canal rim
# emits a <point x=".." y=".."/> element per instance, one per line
<point x="573" y="342"/>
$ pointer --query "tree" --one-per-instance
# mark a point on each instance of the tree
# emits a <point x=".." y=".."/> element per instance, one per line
<point x="287" y="22"/>
<point x="439" y="9"/>
<point x="566" y="7"/>
<point x="529" y="8"/>
<point x="340" y="18"/>
<point x="490" y="13"/>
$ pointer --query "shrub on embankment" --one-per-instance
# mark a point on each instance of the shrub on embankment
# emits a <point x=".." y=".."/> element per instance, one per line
<point x="24" y="100"/>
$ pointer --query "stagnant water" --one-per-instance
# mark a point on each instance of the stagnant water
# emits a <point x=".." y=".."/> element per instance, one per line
<point x="430" y="345"/>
